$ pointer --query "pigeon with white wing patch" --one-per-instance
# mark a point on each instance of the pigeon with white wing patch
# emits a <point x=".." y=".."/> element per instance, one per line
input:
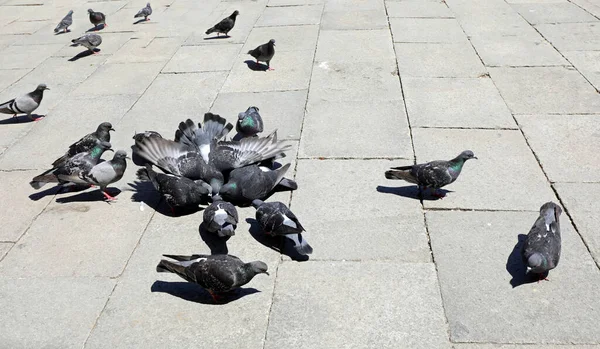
<point x="220" y="217"/>
<point x="541" y="251"/>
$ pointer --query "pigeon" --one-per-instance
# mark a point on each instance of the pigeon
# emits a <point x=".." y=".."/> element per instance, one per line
<point x="216" y="273"/>
<point x="106" y="173"/>
<point x="70" y="171"/>
<point x="249" y="123"/>
<point x="225" y="25"/>
<point x="64" y="24"/>
<point x="139" y="138"/>
<point x="25" y="104"/>
<point x="264" y="53"/>
<point x="97" y="18"/>
<point x="435" y="174"/>
<point x="541" y="250"/>
<point x="178" y="191"/>
<point x="201" y="137"/>
<point x="252" y="182"/>
<point x="220" y="217"/>
<point x="89" y="41"/>
<point x="145" y="12"/>
<point x="86" y="143"/>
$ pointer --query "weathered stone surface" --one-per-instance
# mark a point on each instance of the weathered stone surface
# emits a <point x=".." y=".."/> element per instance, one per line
<point x="418" y="9"/>
<point x="4" y="248"/>
<point x="427" y="30"/>
<point x="288" y="38"/>
<point x="438" y="60"/>
<point x="203" y="58"/>
<point x="292" y="15"/>
<point x="112" y="79"/>
<point x="572" y="36"/>
<point x="563" y="12"/>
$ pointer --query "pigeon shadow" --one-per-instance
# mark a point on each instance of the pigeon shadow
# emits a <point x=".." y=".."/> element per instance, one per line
<point x="42" y="194"/>
<point x="217" y="244"/>
<point x="139" y="21"/>
<point x="89" y="196"/>
<point x="516" y="267"/>
<point x="63" y="32"/>
<point x="252" y="65"/>
<point x="277" y="243"/>
<point x="412" y="192"/>
<point x="83" y="54"/>
<point x="21" y="119"/>
<point x="217" y="37"/>
<point x="96" y="28"/>
<point x="145" y="191"/>
<point x="194" y="293"/>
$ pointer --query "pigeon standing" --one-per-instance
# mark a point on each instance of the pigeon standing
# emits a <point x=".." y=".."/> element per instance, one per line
<point x="97" y="18"/>
<point x="216" y="273"/>
<point x="249" y="122"/>
<point x="220" y="217"/>
<point x="541" y="251"/>
<point x="145" y="12"/>
<point x="435" y="174"/>
<point x="87" y="142"/>
<point x="25" y="104"/>
<point x="225" y="25"/>
<point x="65" y="23"/>
<point x="252" y="182"/>
<point x="264" y="53"/>
<point x="107" y="172"/>
<point x="89" y="41"/>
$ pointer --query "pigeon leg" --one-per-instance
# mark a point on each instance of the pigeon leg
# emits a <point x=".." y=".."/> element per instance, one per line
<point x="214" y="296"/>
<point x="269" y="66"/>
<point x="38" y="119"/>
<point x="147" y="18"/>
<point x="438" y="194"/>
<point x="107" y="196"/>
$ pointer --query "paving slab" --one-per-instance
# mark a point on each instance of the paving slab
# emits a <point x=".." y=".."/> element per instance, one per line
<point x="524" y="346"/>
<point x="61" y="316"/>
<point x="438" y="60"/>
<point x="20" y="57"/>
<point x="22" y="27"/>
<point x="281" y="110"/>
<point x="505" y="167"/>
<point x="288" y="38"/>
<point x="293" y="15"/>
<point x="569" y="135"/>
<point x="590" y="6"/>
<point x="55" y="71"/>
<point x="338" y="129"/>
<point x="134" y="51"/>
<point x="489" y="17"/>
<point x="320" y="299"/>
<point x="427" y="30"/>
<point x="456" y="102"/>
<point x="9" y="76"/>
<point x="369" y="46"/>
<point x="572" y="36"/>
<point x="473" y="250"/>
<point x="587" y="63"/>
<point x="418" y="9"/>
<point x="545" y="90"/>
<point x="564" y="12"/>
<point x="353" y="5"/>
<point x="349" y="20"/>
<point x="4" y="248"/>
<point x="275" y="3"/>
<point x="115" y="79"/>
<point x="203" y="58"/>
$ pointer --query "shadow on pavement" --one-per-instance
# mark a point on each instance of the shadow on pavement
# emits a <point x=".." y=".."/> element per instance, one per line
<point x="194" y="293"/>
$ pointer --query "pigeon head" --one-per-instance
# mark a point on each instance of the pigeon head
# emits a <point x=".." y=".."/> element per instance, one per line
<point x="466" y="155"/>
<point x="120" y="154"/>
<point x="201" y="187"/>
<point x="105" y="126"/>
<point x="139" y="137"/>
<point x="148" y="5"/>
<point x="217" y="185"/>
<point x="70" y="12"/>
<point x="536" y="263"/>
<point x="248" y="111"/>
<point x="258" y="267"/>
<point x="234" y="14"/>
<point x="257" y="203"/>
<point x="231" y="190"/>
<point x="42" y="87"/>
<point x="90" y="11"/>
<point x="272" y="42"/>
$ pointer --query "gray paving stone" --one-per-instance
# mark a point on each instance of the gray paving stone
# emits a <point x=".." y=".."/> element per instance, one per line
<point x="385" y="226"/>
<point x="4" y="248"/>
<point x="471" y="250"/>
<point x="292" y="72"/>
<point x="7" y="40"/>
<point x="290" y="38"/>
<point x="418" y="9"/>
<point x="587" y="62"/>
<point x="114" y="79"/>
<point x="456" y="102"/>
<point x="564" y="12"/>
<point x="61" y="316"/>
<point x="203" y="58"/>
<point x="111" y="43"/>
<point x="293" y="15"/>
<point x="19" y="57"/>
<point x="489" y="17"/>
<point x="354" y="5"/>
<point x="369" y="46"/>
<point x="427" y="30"/>
<point x="505" y="167"/>
<point x="134" y="51"/>
<point x="545" y="90"/>
<point x="55" y="71"/>
<point x="438" y="60"/>
<point x="275" y="3"/>
<point x="22" y="27"/>
<point x="320" y="299"/>
<point x="281" y="110"/>
<point x="339" y="129"/>
<point x="572" y="36"/>
<point x="348" y="20"/>
<point x="524" y="346"/>
<point x="590" y="6"/>
<point x="9" y="76"/>
<point x="556" y="139"/>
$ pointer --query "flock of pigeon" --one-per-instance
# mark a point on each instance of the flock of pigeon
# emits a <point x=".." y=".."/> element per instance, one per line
<point x="201" y="167"/>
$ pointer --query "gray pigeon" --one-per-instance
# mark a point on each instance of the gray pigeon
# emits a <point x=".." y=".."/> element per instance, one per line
<point x="97" y="18"/>
<point x="225" y="25"/>
<point x="252" y="182"/>
<point x="201" y="137"/>
<point x="25" y="104"/>
<point x="102" y="134"/>
<point x="435" y="174"/>
<point x="145" y="12"/>
<point x="107" y="172"/>
<point x="220" y="217"/>
<point x="541" y="251"/>
<point x="216" y="273"/>
<point x="264" y="53"/>
<point x="89" y="41"/>
<point x="249" y="122"/>
<point x="65" y="23"/>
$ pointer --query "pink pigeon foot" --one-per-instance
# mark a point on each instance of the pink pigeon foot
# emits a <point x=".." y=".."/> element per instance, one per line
<point x="147" y="19"/>
<point x="108" y="197"/>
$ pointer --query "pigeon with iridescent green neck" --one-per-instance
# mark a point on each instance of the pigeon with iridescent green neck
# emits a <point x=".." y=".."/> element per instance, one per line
<point x="249" y="123"/>
<point x="541" y="251"/>
<point x="435" y="174"/>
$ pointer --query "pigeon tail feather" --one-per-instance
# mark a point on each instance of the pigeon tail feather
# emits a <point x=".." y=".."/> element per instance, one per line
<point x="402" y="174"/>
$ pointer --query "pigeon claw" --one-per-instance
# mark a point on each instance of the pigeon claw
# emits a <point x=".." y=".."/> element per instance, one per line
<point x="271" y="68"/>
<point x="216" y="298"/>
<point x="147" y="19"/>
<point x="108" y="197"/>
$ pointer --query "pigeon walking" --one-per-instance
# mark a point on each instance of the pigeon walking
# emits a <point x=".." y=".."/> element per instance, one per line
<point x="435" y="174"/>
<point x="252" y="182"/>
<point x="107" y="172"/>
<point x="249" y="123"/>
<point x="25" y="104"/>
<point x="65" y="23"/>
<point x="145" y="12"/>
<point x="225" y="25"/>
<point x="97" y="18"/>
<point x="220" y="217"/>
<point x="216" y="273"/>
<point x="541" y="251"/>
<point x="264" y="53"/>
<point x="89" y="41"/>
<point x="87" y="142"/>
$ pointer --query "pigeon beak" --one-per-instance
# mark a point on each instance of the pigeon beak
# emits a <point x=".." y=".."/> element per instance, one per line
<point x="112" y="129"/>
<point x="475" y="157"/>
<point x="127" y="157"/>
<point x="266" y="272"/>
<point x="528" y="270"/>
<point x="46" y="88"/>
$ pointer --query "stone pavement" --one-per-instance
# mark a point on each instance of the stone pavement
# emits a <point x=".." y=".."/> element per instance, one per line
<point x="359" y="86"/>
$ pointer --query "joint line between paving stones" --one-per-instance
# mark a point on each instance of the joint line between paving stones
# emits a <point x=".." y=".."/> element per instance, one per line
<point x="585" y="10"/>
<point x="272" y="301"/>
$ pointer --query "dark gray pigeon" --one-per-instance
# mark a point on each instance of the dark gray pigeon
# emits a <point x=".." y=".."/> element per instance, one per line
<point x="435" y="174"/>
<point x="252" y="182"/>
<point x="216" y="273"/>
<point x="145" y="12"/>
<point x="106" y="172"/>
<point x="249" y="123"/>
<point x="102" y="134"/>
<point x="220" y="217"/>
<point x="97" y="18"/>
<point x="264" y="53"/>
<point x="25" y="104"/>
<point x="89" y="41"/>
<point x="65" y="23"/>
<point x="201" y="137"/>
<point x="225" y="25"/>
<point x="139" y="138"/>
<point x="541" y="251"/>
<point x="178" y="191"/>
